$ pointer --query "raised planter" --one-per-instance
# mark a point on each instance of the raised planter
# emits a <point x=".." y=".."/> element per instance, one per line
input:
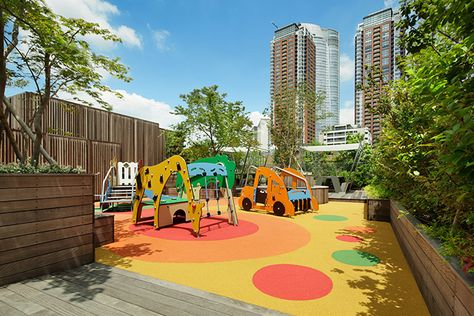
<point x="46" y="224"/>
<point x="103" y="229"/>
<point x="321" y="193"/>
<point x="446" y="289"/>
<point x="377" y="210"/>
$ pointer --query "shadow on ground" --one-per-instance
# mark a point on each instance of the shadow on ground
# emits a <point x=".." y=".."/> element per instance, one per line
<point x="390" y="291"/>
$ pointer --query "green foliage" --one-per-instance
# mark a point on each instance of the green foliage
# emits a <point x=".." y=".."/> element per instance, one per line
<point x="291" y="103"/>
<point x="456" y="243"/>
<point x="29" y="168"/>
<point x="212" y="123"/>
<point x="52" y="55"/>
<point x="175" y="140"/>
<point x="425" y="156"/>
<point x="340" y="164"/>
<point x="375" y="191"/>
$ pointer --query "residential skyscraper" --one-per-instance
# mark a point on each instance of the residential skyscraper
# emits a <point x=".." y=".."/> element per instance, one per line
<point x="303" y="53"/>
<point x="376" y="47"/>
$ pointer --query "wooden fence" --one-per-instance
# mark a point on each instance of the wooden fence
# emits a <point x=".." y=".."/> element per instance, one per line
<point x="46" y="224"/>
<point x="86" y="137"/>
<point x="444" y="290"/>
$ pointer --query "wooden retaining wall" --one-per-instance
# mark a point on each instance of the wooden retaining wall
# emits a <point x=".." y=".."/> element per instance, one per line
<point x="103" y="229"/>
<point x="78" y="135"/>
<point x="46" y="224"/>
<point x="444" y="290"/>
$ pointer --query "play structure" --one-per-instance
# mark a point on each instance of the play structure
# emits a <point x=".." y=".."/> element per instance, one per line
<point x="281" y="191"/>
<point x="210" y="176"/>
<point x="118" y="185"/>
<point x="153" y="178"/>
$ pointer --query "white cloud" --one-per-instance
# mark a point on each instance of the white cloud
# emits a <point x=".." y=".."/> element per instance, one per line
<point x="129" y="36"/>
<point x="100" y="12"/>
<point x="255" y="117"/>
<point x="139" y="106"/>
<point x="346" y="68"/>
<point x="346" y="113"/>
<point x="388" y="3"/>
<point x="135" y="105"/>
<point x="160" y="37"/>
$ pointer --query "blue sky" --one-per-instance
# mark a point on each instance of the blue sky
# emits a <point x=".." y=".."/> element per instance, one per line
<point x="174" y="46"/>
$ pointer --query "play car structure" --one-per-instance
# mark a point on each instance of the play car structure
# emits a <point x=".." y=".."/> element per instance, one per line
<point x="281" y="191"/>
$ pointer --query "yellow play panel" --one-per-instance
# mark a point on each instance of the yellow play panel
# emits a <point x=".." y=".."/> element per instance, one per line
<point x="330" y="262"/>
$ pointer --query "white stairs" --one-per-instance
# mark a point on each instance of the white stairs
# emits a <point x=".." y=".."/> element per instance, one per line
<point x="119" y="184"/>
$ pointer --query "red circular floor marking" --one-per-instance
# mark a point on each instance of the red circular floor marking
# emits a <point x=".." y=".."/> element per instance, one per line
<point x="360" y="229"/>
<point x="292" y="282"/>
<point x="349" y="238"/>
<point x="212" y="228"/>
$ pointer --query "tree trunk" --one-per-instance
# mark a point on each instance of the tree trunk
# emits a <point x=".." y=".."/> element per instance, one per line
<point x="4" y="125"/>
<point x="44" y="101"/>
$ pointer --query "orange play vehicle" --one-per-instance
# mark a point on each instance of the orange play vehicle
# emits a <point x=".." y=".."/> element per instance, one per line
<point x="281" y="191"/>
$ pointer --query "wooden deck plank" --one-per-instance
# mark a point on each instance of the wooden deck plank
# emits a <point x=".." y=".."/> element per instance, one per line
<point x="219" y="303"/>
<point x="20" y="303"/>
<point x="79" y="290"/>
<point x="144" y="298"/>
<point x="56" y="305"/>
<point x="80" y="299"/>
<point x="176" y="292"/>
<point x="7" y="310"/>
<point x="247" y="307"/>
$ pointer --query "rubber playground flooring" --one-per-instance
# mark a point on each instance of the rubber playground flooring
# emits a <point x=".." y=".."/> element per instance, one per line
<point x="330" y="262"/>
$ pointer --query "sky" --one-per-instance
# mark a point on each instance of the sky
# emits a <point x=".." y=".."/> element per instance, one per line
<point x="174" y="46"/>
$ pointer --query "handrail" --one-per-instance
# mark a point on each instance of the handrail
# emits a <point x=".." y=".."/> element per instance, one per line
<point x="103" y="183"/>
<point x="292" y="174"/>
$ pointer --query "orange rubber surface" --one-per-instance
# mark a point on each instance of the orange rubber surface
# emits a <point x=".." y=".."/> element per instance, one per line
<point x="330" y="262"/>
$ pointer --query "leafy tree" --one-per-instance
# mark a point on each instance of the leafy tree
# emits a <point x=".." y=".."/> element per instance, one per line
<point x="175" y="140"/>
<point x="426" y="151"/>
<point x="55" y="57"/>
<point x="12" y="15"/>
<point x="290" y="104"/>
<point x="212" y="123"/>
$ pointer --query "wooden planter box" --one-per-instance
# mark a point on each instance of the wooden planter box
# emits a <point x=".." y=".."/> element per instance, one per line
<point x="321" y="193"/>
<point x="445" y="288"/>
<point x="46" y="224"/>
<point x="103" y="229"/>
<point x="377" y="210"/>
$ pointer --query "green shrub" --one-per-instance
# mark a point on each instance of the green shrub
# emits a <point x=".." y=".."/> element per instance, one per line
<point x="425" y="155"/>
<point x="28" y="168"/>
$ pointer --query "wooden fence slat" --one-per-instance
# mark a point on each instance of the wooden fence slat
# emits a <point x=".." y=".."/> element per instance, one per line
<point x="27" y="205"/>
<point x="43" y="215"/>
<point x="38" y="227"/>
<point x="42" y="192"/>
<point x="43" y="260"/>
<point x="57" y="266"/>
<point x="38" y="238"/>
<point x="36" y="250"/>
<point x="44" y="180"/>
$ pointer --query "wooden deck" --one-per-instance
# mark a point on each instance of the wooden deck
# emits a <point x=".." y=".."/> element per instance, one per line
<point x="97" y="289"/>
<point x="354" y="195"/>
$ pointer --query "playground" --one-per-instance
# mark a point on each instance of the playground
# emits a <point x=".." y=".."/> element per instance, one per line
<point x="329" y="262"/>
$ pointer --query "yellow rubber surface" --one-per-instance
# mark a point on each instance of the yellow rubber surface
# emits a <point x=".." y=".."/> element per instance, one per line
<point x="370" y="287"/>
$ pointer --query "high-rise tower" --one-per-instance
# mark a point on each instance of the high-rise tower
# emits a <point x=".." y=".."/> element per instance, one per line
<point x="306" y="54"/>
<point x="376" y="47"/>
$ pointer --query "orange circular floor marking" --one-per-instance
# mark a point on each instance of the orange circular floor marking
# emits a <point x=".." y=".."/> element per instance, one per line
<point x="274" y="236"/>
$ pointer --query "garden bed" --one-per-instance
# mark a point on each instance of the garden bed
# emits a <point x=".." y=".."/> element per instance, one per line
<point x="46" y="224"/>
<point x="446" y="289"/>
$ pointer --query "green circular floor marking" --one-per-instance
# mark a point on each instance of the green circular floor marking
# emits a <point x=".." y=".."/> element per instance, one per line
<point x="356" y="258"/>
<point x="330" y="218"/>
